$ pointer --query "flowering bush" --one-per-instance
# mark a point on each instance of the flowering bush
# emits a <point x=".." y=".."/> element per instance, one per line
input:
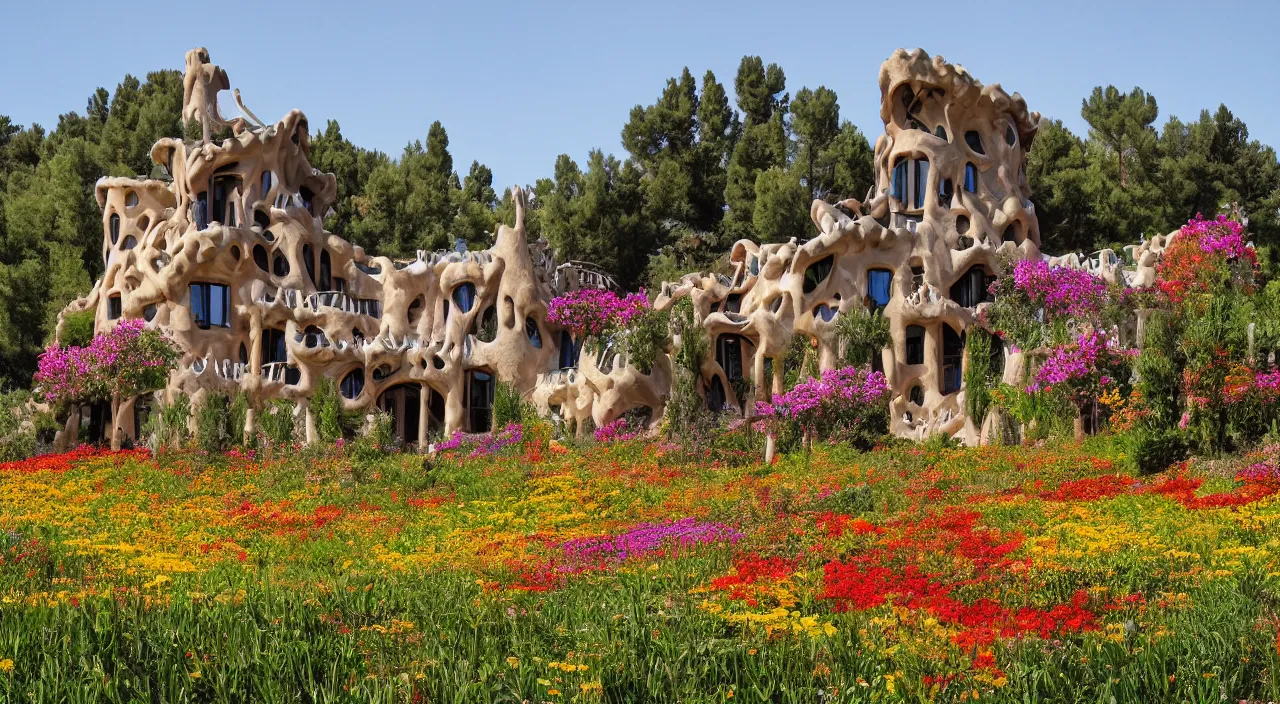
<point x="1082" y="370"/>
<point x="846" y="404"/>
<point x="616" y="431"/>
<point x="483" y="444"/>
<point x="122" y="363"/>
<point x="1039" y="303"/>
<point x="595" y="312"/>
<point x="1206" y="256"/>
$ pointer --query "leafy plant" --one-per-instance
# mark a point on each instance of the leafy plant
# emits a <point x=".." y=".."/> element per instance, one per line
<point x="278" y="424"/>
<point x="510" y="406"/>
<point x="861" y="334"/>
<point x="213" y="423"/>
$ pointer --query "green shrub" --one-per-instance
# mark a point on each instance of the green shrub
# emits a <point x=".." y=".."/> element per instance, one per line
<point x="168" y="429"/>
<point x="326" y="406"/>
<point x="239" y="413"/>
<point x="77" y="329"/>
<point x="646" y="339"/>
<point x="1158" y="376"/>
<point x="979" y="373"/>
<point x="860" y="334"/>
<point x="213" y="423"/>
<point x="510" y="406"/>
<point x="18" y="426"/>
<point x="277" y="424"/>
<point x="687" y="412"/>
<point x="1153" y="450"/>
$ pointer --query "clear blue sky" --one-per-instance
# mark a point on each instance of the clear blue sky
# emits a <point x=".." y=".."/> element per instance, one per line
<point x="517" y="84"/>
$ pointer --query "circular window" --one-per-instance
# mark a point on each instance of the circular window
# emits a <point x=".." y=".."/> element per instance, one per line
<point x="1010" y="137"/>
<point x="352" y="384"/>
<point x="281" y="265"/>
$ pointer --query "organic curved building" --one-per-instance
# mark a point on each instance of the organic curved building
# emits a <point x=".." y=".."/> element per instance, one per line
<point x="230" y="257"/>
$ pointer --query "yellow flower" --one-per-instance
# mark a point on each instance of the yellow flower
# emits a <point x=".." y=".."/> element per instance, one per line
<point x="194" y="675"/>
<point x="6" y="665"/>
<point x="553" y="692"/>
<point x="513" y="662"/>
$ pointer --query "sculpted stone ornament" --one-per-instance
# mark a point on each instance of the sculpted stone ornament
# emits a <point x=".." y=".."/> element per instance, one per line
<point x="231" y="259"/>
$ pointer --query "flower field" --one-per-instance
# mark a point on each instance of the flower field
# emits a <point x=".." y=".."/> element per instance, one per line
<point x="631" y="572"/>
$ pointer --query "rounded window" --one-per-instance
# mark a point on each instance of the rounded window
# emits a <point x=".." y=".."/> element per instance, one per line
<point x="281" y="265"/>
<point x="352" y="384"/>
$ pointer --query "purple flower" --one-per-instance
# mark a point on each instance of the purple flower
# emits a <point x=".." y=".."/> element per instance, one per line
<point x="646" y="538"/>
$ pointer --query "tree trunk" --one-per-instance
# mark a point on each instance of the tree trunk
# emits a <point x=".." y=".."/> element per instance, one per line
<point x="770" y="447"/>
<point x="1079" y="426"/>
<point x="115" y="422"/>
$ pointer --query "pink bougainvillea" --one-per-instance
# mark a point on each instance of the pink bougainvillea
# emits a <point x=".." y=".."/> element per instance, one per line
<point x="1059" y="290"/>
<point x="1081" y="369"/>
<point x="594" y="312"/>
<point x="123" y="363"/>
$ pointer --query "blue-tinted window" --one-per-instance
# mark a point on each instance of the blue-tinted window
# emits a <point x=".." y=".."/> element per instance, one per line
<point x="114" y="309"/>
<point x="915" y="344"/>
<point x="921" y="169"/>
<point x="211" y="305"/>
<point x="899" y="186"/>
<point x="879" y="283"/>
<point x="464" y="296"/>
<point x="531" y="331"/>
<point x="352" y="384"/>
<point x="971" y="178"/>
<point x="568" y="351"/>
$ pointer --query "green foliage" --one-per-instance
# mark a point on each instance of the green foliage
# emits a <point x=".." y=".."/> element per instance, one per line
<point x="332" y="422"/>
<point x="686" y="410"/>
<point x="1159" y="380"/>
<point x="1153" y="450"/>
<point x="213" y="423"/>
<point x="169" y="428"/>
<point x="861" y="334"/>
<point x="510" y="406"/>
<point x="278" y="425"/>
<point x="22" y="427"/>
<point x="239" y="411"/>
<point x="77" y="329"/>
<point x="646" y="338"/>
<point x="979" y="373"/>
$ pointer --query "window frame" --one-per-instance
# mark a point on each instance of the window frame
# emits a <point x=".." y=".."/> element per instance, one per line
<point x="202" y="315"/>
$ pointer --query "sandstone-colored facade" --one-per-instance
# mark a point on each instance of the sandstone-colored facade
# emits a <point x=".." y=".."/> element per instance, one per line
<point x="231" y="258"/>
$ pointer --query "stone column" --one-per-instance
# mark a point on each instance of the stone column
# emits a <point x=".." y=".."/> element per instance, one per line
<point x="424" y="414"/>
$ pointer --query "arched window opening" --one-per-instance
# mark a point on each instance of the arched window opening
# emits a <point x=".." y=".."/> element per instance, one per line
<point x="272" y="346"/>
<point x="211" y="305"/>
<point x="733" y="304"/>
<point x="200" y="210"/>
<point x="281" y="265"/>
<point x="879" y="287"/>
<point x="971" y="178"/>
<point x="261" y="219"/>
<point x="729" y="356"/>
<point x="269" y="236"/>
<point x="1012" y="233"/>
<point x="130" y="242"/>
<point x="307" y="195"/>
<point x="917" y="395"/>
<point x="917" y="276"/>
<point x="149" y="312"/>
<point x="941" y="133"/>
<point x="486" y="329"/>
<point x="352" y="384"/>
<point x="946" y="192"/>
<point x="235" y="251"/>
<point x="326" y="271"/>
<point x="531" y="331"/>
<point x="309" y="261"/>
<point x="915" y="344"/>
<point x="817" y="273"/>
<point x="1010" y="137"/>
<point x="415" y="310"/>
<point x="717" y="401"/>
<point x="824" y="312"/>
<point x="464" y="296"/>
<point x="974" y="140"/>
<point x="952" y="359"/>
<point x="971" y="288"/>
<point x="962" y="224"/>
<point x="244" y="354"/>
<point x="225" y="186"/>
<point x="480" y="401"/>
<point x="266" y="184"/>
<point x="115" y="228"/>
<point x="114" y="307"/>
<point x="130" y="198"/>
<point x="260" y="258"/>
<point x="910" y="181"/>
<point x="568" y="351"/>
